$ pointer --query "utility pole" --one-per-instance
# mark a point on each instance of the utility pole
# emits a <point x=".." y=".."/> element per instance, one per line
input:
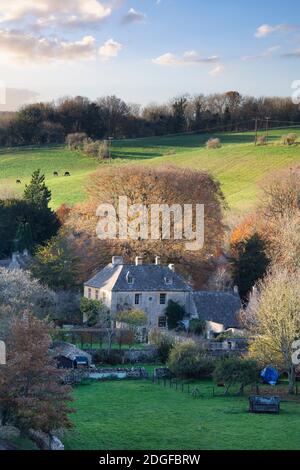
<point x="256" y="130"/>
<point x="267" y="128"/>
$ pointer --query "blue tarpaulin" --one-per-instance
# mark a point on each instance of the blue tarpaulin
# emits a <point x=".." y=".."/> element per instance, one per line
<point x="270" y="375"/>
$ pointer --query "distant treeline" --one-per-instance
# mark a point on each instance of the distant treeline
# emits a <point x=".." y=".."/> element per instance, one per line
<point x="49" y="123"/>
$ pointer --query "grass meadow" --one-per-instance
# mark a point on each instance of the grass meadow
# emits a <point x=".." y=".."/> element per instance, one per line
<point x="145" y="416"/>
<point x="238" y="164"/>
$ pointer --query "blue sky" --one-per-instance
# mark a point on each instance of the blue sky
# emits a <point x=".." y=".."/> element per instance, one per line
<point x="149" y="50"/>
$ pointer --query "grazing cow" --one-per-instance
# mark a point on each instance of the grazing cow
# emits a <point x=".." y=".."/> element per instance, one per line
<point x="19" y="182"/>
<point x="55" y="173"/>
<point x="67" y="173"/>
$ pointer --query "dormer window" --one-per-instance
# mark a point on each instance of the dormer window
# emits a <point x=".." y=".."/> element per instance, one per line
<point x="129" y="278"/>
<point x="169" y="280"/>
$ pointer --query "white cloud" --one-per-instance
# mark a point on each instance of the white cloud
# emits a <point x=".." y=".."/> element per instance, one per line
<point x="133" y="16"/>
<point x="265" y="29"/>
<point x="48" y="12"/>
<point x="188" y="58"/>
<point x="218" y="70"/>
<point x="25" y="47"/>
<point x="264" y="55"/>
<point x="110" y="49"/>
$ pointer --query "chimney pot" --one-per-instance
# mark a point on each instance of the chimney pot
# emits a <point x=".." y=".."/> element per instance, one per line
<point x="172" y="267"/>
<point x="157" y="260"/>
<point x="138" y="260"/>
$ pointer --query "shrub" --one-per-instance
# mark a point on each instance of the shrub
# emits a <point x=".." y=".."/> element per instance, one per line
<point x="164" y="343"/>
<point x="75" y="141"/>
<point x="91" y="148"/>
<point x="187" y="360"/>
<point x="289" y="139"/>
<point x="104" y="149"/>
<point x="197" y="326"/>
<point x="261" y="140"/>
<point x="236" y="371"/>
<point x="213" y="143"/>
<point x="113" y="357"/>
<point x="174" y="313"/>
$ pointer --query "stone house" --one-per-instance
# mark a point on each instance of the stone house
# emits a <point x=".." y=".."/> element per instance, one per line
<point x="147" y="287"/>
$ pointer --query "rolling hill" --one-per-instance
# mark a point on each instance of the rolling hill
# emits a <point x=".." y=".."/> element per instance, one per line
<point x="238" y="164"/>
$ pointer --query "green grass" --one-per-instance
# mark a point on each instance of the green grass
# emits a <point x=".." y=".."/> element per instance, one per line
<point x="141" y="415"/>
<point x="239" y="165"/>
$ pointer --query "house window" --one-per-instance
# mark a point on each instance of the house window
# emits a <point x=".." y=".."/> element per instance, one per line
<point x="162" y="321"/>
<point x="162" y="299"/>
<point x="137" y="299"/>
<point x="97" y="294"/>
<point x="104" y="296"/>
<point x="89" y="293"/>
<point x="168" y="280"/>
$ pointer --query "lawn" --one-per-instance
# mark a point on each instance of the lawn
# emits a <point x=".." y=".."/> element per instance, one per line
<point x="141" y="415"/>
<point x="239" y="165"/>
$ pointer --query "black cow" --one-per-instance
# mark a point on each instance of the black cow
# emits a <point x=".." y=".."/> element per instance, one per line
<point x="19" y="182"/>
<point x="55" y="173"/>
<point x="67" y="173"/>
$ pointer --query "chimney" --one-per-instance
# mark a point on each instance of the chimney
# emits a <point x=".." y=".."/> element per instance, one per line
<point x="138" y="260"/>
<point x="157" y="260"/>
<point x="117" y="260"/>
<point x="236" y="290"/>
<point x="172" y="267"/>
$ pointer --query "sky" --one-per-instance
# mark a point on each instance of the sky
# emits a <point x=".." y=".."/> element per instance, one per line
<point x="146" y="50"/>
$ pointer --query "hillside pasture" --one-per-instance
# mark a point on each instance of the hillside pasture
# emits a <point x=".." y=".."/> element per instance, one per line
<point x="238" y="164"/>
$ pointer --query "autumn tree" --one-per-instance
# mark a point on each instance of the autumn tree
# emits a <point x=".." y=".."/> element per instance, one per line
<point x="273" y="320"/>
<point x="32" y="397"/>
<point x="165" y="185"/>
<point x="56" y="264"/>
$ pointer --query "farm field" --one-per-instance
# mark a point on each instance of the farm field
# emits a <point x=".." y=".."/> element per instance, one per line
<point x="141" y="415"/>
<point x="239" y="165"/>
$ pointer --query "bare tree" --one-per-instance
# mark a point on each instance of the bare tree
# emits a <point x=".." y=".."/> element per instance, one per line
<point x="273" y="318"/>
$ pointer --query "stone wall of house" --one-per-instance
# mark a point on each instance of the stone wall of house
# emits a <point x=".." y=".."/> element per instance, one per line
<point x="150" y="303"/>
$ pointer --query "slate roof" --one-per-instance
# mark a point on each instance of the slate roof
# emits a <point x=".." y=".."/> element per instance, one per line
<point x="146" y="277"/>
<point x="60" y="348"/>
<point x="218" y="307"/>
<point x="4" y="263"/>
<point x="19" y="261"/>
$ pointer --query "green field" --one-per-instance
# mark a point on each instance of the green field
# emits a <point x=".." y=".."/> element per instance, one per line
<point x="141" y="415"/>
<point x="239" y="165"/>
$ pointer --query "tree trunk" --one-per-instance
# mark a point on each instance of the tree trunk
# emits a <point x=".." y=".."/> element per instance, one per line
<point x="292" y="379"/>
